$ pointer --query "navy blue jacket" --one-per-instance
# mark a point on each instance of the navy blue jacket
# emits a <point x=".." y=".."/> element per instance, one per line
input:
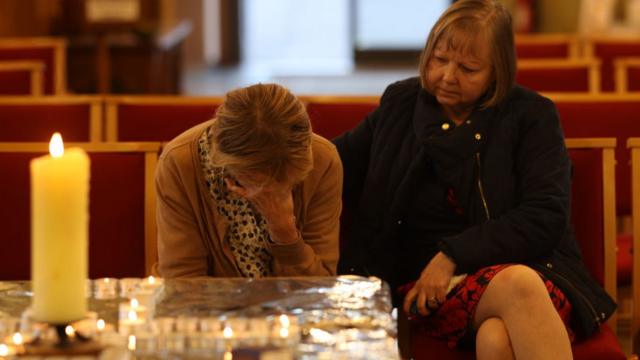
<point x="509" y="169"/>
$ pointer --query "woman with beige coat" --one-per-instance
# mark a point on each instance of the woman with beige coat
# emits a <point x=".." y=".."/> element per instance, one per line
<point x="251" y="193"/>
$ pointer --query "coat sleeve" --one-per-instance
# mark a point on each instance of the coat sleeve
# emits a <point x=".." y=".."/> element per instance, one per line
<point x="316" y="251"/>
<point x="540" y="217"/>
<point x="181" y="251"/>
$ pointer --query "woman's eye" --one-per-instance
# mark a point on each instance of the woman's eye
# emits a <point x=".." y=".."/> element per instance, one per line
<point x="440" y="59"/>
<point x="467" y="69"/>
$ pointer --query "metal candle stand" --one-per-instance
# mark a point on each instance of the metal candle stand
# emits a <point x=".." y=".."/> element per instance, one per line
<point x="62" y="344"/>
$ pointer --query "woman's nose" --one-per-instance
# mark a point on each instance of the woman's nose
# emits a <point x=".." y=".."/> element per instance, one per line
<point x="449" y="73"/>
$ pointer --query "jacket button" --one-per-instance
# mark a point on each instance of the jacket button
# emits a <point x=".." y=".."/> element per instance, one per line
<point x="445" y="126"/>
<point x="399" y="222"/>
<point x="478" y="136"/>
<point x="352" y="270"/>
<point x="549" y="265"/>
<point x="468" y="122"/>
<point x="603" y="316"/>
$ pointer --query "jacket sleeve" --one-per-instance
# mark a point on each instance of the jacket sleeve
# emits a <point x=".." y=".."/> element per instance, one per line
<point x="181" y="252"/>
<point x="317" y="249"/>
<point x="540" y="217"/>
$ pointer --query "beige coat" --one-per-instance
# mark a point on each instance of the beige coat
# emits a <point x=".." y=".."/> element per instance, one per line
<point x="191" y="231"/>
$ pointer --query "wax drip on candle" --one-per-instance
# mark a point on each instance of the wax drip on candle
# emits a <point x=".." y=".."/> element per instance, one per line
<point x="56" y="147"/>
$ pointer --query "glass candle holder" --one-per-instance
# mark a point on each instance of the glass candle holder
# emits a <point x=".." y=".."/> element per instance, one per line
<point x="105" y="288"/>
<point x="125" y="309"/>
<point x="128" y="287"/>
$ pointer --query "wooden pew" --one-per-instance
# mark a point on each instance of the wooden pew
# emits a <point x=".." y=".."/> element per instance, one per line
<point x="547" y="46"/>
<point x="607" y="49"/>
<point x="155" y="118"/>
<point x="122" y="231"/>
<point x="553" y="75"/>
<point x="21" y="78"/>
<point x="33" y="119"/>
<point x="49" y="50"/>
<point x="634" y="147"/>
<point x="627" y="72"/>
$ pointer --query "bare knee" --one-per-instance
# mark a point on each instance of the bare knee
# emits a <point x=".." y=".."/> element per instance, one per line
<point x="519" y="282"/>
<point x="492" y="340"/>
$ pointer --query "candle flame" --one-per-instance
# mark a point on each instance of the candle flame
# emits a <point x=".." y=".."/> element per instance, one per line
<point x="132" y="315"/>
<point x="132" y="343"/>
<point x="151" y="280"/>
<point x="100" y="324"/>
<point x="134" y="303"/>
<point x="227" y="332"/>
<point x="4" y="350"/>
<point x="284" y="332"/>
<point x="69" y="330"/>
<point x="17" y="338"/>
<point x="56" y="147"/>
<point x="228" y="355"/>
<point x="284" y="320"/>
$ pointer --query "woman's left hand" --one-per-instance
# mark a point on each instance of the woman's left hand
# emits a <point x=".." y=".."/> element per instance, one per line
<point x="274" y="202"/>
<point x="431" y="288"/>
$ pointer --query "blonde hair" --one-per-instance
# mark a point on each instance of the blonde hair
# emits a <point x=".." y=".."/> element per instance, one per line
<point x="263" y="128"/>
<point x="469" y="18"/>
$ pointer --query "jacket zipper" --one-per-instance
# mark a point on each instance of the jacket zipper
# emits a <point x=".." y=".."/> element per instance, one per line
<point x="577" y="291"/>
<point x="484" y="200"/>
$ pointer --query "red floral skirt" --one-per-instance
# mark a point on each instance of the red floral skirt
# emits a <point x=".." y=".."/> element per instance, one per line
<point x="452" y="321"/>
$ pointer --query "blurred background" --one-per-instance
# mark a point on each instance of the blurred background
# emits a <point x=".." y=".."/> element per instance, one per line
<point x="206" y="47"/>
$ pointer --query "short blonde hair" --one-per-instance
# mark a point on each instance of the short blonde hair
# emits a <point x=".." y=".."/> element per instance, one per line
<point x="469" y="18"/>
<point x="263" y="128"/>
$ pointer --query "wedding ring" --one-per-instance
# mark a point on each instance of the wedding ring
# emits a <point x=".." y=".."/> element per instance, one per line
<point x="432" y="302"/>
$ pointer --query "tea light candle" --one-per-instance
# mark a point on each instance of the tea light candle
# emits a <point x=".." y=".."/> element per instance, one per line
<point x="145" y="343"/>
<point x="105" y="288"/>
<point x="131" y="324"/>
<point x="131" y="343"/>
<point x="133" y="305"/>
<point x="128" y="287"/>
<point x="7" y="350"/>
<point x="59" y="233"/>
<point x="228" y="338"/>
<point x="151" y="282"/>
<point x="100" y="326"/>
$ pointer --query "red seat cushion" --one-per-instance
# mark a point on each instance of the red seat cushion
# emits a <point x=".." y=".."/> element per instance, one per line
<point x="15" y="82"/>
<point x="587" y="208"/>
<point x="624" y="258"/>
<point x="330" y="120"/>
<point x="36" y="122"/>
<point x="633" y="79"/>
<point x="619" y="119"/>
<point x="44" y="54"/>
<point x="541" y="51"/>
<point x="157" y="122"/>
<point x="554" y="79"/>
<point x="116" y="221"/>
<point x="609" y="51"/>
<point x="603" y="345"/>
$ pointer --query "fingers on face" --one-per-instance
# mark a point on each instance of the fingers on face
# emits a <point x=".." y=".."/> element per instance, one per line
<point x="233" y="186"/>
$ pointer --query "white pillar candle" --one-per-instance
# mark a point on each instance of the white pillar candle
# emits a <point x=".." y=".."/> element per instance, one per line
<point x="59" y="232"/>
